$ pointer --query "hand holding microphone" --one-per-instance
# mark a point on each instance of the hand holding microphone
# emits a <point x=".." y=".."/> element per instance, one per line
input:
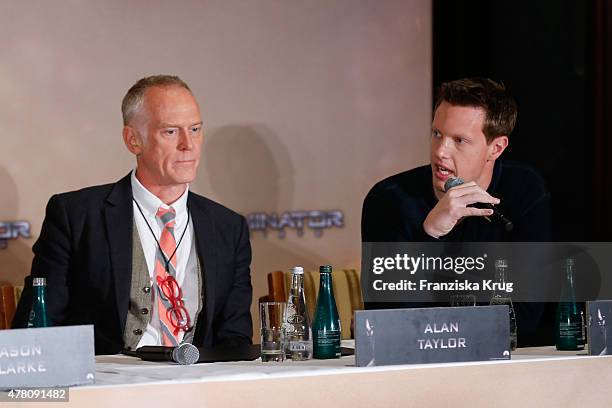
<point x="457" y="203"/>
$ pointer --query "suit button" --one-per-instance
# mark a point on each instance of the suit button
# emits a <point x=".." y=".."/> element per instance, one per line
<point x="144" y="311"/>
<point x="137" y="332"/>
<point x="146" y="289"/>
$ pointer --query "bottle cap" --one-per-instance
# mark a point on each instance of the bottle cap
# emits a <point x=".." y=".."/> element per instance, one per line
<point x="569" y="262"/>
<point x="298" y="270"/>
<point x="501" y="263"/>
<point x="325" y="269"/>
<point x="39" y="282"/>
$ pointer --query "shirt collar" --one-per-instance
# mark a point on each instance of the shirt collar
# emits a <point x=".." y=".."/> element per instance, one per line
<point x="150" y="203"/>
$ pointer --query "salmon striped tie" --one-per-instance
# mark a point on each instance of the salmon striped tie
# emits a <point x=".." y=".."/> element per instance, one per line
<point x="163" y="268"/>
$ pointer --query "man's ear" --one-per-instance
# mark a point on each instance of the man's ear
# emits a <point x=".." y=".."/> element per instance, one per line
<point x="497" y="147"/>
<point x="132" y="140"/>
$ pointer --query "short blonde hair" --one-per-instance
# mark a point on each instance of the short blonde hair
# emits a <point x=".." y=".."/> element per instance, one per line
<point x="132" y="101"/>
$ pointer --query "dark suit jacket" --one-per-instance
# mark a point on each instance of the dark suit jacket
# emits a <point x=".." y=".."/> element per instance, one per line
<point x="85" y="252"/>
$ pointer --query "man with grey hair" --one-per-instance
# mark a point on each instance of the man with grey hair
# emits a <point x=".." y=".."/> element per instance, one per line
<point x="144" y="260"/>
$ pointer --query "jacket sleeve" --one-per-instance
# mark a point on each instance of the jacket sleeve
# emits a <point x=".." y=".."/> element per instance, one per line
<point x="235" y="325"/>
<point x="52" y="256"/>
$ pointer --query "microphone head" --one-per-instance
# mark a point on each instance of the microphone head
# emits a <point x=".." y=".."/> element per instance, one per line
<point x="186" y="354"/>
<point x="452" y="182"/>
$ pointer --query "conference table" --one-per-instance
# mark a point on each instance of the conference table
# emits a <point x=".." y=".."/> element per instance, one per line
<point x="533" y="377"/>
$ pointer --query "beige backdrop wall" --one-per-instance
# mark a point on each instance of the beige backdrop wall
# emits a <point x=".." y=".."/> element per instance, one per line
<point x="306" y="105"/>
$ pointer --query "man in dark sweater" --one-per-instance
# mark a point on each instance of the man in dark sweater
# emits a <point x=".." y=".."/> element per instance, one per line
<point x="472" y="122"/>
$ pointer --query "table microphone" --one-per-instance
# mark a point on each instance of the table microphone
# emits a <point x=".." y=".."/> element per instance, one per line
<point x="183" y="354"/>
<point x="497" y="214"/>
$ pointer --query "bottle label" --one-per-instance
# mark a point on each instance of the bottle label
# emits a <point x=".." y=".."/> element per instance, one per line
<point x="299" y="346"/>
<point x="289" y="316"/>
<point x="570" y="330"/>
<point x="295" y="320"/>
<point x="329" y="339"/>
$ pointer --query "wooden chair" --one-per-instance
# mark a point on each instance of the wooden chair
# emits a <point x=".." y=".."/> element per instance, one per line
<point x="276" y="288"/>
<point x="9" y="297"/>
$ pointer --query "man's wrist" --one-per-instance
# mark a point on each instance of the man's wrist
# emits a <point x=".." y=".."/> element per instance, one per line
<point x="429" y="232"/>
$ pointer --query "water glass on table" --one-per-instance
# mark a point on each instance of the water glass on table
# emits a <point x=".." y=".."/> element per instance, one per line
<point x="272" y="330"/>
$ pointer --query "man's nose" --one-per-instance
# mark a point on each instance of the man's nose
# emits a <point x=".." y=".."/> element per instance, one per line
<point x="441" y="147"/>
<point x="185" y="142"/>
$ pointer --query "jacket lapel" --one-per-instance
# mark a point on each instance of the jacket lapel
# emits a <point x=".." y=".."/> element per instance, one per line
<point x="118" y="217"/>
<point x="204" y="231"/>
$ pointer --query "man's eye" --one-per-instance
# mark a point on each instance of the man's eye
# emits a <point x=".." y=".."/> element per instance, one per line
<point x="435" y="134"/>
<point x="195" y="129"/>
<point x="460" y="140"/>
<point x="171" y="132"/>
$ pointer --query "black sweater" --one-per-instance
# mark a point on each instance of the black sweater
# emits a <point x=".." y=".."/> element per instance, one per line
<point x="395" y="208"/>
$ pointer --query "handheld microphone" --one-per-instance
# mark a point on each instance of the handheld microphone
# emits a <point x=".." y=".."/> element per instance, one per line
<point x="184" y="354"/>
<point x="497" y="214"/>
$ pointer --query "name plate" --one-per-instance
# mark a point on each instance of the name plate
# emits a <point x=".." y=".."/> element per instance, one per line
<point x="47" y="357"/>
<point x="599" y="327"/>
<point x="432" y="335"/>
